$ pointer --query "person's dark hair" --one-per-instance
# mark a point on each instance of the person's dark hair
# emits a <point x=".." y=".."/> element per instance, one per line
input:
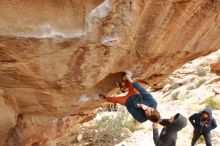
<point x="204" y="118"/>
<point x="176" y="116"/>
<point x="123" y="74"/>
<point x="204" y="112"/>
<point x="155" y="116"/>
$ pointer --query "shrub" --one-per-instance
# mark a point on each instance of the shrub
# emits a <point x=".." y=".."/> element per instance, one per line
<point x="201" y="140"/>
<point x="200" y="82"/>
<point x="132" y="125"/>
<point x="108" y="130"/>
<point x="175" y="85"/>
<point x="201" y="72"/>
<point x="107" y="106"/>
<point x="175" y="95"/>
<point x="182" y="96"/>
<point x="190" y="87"/>
<point x="210" y="102"/>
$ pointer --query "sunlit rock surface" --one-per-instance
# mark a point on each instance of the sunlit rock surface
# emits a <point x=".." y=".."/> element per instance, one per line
<point x="55" y="56"/>
<point x="216" y="67"/>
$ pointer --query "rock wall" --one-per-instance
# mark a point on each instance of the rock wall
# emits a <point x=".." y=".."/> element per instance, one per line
<point x="216" y="67"/>
<point x="56" y="55"/>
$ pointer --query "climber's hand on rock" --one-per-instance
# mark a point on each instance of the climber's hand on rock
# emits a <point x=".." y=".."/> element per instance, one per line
<point x="128" y="73"/>
<point x="128" y="76"/>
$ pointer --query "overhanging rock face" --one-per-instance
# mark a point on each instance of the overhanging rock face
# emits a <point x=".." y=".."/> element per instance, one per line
<point x="56" y="55"/>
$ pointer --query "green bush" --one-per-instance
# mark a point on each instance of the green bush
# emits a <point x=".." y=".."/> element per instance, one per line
<point x="175" y="85"/>
<point x="182" y="96"/>
<point x="108" y="130"/>
<point x="122" y="119"/>
<point x="210" y="102"/>
<point x="200" y="82"/>
<point x="190" y="87"/>
<point x="201" y="72"/>
<point x="175" y="95"/>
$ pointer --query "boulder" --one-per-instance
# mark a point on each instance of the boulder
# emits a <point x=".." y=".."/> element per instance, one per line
<point x="55" y="56"/>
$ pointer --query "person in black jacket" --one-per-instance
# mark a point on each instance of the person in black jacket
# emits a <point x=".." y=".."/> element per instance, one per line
<point x="168" y="134"/>
<point x="203" y="123"/>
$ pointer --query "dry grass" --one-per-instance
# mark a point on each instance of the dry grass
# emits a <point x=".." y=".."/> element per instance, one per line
<point x="201" y="72"/>
<point x="107" y="131"/>
<point x="175" y="95"/>
<point x="210" y="102"/>
<point x="200" y="82"/>
<point x="201" y="140"/>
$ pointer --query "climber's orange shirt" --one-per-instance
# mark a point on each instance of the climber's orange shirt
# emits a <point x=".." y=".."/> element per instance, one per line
<point x="122" y="99"/>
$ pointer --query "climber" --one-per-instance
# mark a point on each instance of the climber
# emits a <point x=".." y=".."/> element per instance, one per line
<point x="111" y="101"/>
<point x="168" y="134"/>
<point x="203" y="123"/>
<point x="121" y="99"/>
<point x="142" y="105"/>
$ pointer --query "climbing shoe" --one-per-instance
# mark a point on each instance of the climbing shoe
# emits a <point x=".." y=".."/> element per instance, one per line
<point x="102" y="96"/>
